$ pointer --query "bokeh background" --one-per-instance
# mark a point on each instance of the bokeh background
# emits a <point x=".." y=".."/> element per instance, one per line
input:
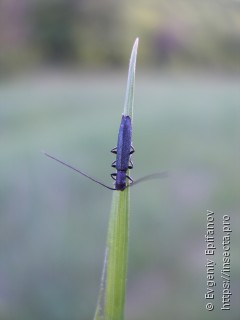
<point x="63" y="70"/>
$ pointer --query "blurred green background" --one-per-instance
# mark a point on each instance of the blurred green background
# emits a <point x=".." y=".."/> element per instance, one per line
<point x="63" y="70"/>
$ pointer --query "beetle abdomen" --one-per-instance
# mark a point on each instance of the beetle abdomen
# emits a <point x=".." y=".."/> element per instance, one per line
<point x="124" y="144"/>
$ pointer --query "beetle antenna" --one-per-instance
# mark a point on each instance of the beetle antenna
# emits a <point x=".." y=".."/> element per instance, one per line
<point x="157" y="175"/>
<point x="77" y="170"/>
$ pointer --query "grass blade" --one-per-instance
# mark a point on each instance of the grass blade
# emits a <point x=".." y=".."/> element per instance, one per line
<point x="129" y="98"/>
<point x="117" y="244"/>
<point x="111" y="298"/>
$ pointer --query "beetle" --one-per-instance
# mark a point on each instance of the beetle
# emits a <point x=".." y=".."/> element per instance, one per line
<point x="123" y="162"/>
<point x="123" y="151"/>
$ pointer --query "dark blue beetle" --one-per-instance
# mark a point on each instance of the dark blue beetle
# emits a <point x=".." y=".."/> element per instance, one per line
<point x="123" y="160"/>
<point x="123" y="151"/>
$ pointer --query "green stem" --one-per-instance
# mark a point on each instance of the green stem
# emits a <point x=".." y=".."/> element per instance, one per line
<point x="117" y="250"/>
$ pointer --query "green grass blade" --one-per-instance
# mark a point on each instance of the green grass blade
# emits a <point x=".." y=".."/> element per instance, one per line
<point x="129" y="98"/>
<point x="117" y="244"/>
<point x="111" y="298"/>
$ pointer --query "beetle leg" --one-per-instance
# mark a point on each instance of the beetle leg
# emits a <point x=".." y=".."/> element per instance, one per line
<point x="113" y="175"/>
<point x="114" y="150"/>
<point x="132" y="150"/>
<point x="130" y="165"/>
<point x="114" y="164"/>
<point x="129" y="178"/>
